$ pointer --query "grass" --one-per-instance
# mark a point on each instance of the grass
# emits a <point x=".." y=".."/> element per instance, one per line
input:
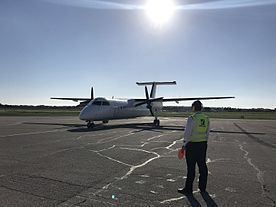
<point x="38" y="112"/>
<point x="75" y="112"/>
<point x="228" y="115"/>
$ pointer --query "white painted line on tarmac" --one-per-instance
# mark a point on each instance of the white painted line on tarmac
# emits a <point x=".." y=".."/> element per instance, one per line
<point x="172" y="199"/>
<point x="33" y="133"/>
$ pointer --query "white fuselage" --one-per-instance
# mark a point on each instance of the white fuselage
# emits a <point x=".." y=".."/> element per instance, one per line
<point x="101" y="109"/>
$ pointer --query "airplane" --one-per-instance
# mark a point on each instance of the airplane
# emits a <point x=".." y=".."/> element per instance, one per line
<point x="103" y="109"/>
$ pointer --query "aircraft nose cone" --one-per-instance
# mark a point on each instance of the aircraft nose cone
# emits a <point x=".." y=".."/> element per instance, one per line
<point x="83" y="114"/>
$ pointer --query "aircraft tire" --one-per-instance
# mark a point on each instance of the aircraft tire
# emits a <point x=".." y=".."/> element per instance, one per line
<point x="156" y="122"/>
<point x="90" y="125"/>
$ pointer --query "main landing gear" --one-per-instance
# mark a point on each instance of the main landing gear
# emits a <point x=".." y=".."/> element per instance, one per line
<point x="156" y="122"/>
<point x="90" y="124"/>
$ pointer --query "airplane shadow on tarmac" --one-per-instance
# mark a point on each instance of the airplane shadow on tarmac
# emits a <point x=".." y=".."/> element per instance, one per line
<point x="101" y="127"/>
<point x="206" y="197"/>
<point x="138" y="126"/>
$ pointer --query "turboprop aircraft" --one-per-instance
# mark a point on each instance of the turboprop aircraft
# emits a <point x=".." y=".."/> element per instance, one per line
<point x="102" y="109"/>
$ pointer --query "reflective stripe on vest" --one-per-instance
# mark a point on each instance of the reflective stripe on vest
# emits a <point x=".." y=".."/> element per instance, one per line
<point x="200" y="127"/>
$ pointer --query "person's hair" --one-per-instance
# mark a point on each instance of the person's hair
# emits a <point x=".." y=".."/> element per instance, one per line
<point x="198" y="105"/>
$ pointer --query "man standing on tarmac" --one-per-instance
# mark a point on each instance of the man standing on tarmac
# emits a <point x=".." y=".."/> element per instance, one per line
<point x="195" y="147"/>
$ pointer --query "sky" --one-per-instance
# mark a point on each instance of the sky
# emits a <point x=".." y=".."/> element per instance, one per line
<point x="60" y="48"/>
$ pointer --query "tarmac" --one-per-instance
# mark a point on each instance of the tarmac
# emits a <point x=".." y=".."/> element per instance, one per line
<point x="57" y="161"/>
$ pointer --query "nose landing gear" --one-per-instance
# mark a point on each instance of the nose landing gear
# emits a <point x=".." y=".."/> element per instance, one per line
<point x="156" y="122"/>
<point x="90" y="124"/>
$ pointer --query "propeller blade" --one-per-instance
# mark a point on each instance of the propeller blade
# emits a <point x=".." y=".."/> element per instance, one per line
<point x="149" y="101"/>
<point x="92" y="93"/>
<point x="151" y="112"/>
<point x="156" y="99"/>
<point x="142" y="103"/>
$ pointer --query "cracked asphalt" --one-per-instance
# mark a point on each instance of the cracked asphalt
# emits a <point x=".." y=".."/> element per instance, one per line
<point x="56" y="161"/>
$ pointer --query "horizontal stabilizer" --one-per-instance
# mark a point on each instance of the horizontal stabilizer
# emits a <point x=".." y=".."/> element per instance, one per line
<point x="156" y="83"/>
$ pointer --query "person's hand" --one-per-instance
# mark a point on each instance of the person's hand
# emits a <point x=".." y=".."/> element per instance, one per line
<point x="181" y="153"/>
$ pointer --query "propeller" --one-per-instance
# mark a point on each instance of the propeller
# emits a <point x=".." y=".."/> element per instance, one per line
<point x="148" y="101"/>
<point x="92" y="93"/>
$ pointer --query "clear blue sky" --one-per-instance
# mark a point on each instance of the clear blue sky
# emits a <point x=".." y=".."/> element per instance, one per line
<point x="62" y="49"/>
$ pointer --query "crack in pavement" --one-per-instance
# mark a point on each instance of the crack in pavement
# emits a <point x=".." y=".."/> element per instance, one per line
<point x="260" y="175"/>
<point x="132" y="167"/>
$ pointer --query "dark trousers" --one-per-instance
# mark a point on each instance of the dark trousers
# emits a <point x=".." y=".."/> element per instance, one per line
<point x="196" y="154"/>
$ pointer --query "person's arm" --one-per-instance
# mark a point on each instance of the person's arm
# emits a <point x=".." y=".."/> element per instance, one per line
<point x="187" y="132"/>
<point x="208" y="130"/>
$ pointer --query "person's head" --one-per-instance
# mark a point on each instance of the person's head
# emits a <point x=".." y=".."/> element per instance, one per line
<point x="197" y="106"/>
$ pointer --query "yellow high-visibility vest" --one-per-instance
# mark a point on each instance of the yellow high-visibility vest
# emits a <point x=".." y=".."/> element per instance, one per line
<point x="200" y="127"/>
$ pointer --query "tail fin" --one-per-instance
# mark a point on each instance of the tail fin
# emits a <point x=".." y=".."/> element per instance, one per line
<point x="154" y="84"/>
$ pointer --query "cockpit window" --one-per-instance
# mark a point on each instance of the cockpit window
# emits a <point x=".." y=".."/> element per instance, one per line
<point x="98" y="103"/>
<point x="105" y="103"/>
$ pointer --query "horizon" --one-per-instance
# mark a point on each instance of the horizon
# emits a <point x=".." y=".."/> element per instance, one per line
<point x="179" y="106"/>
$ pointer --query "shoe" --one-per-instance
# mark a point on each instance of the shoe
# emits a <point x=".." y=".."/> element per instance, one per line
<point x="184" y="192"/>
<point x="202" y="191"/>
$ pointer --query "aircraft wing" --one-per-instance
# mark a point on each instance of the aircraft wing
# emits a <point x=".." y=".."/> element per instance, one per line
<point x="72" y="99"/>
<point x="183" y="99"/>
<point x="77" y="99"/>
<point x="195" y="98"/>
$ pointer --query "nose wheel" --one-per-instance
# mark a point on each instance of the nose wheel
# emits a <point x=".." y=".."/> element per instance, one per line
<point x="156" y="122"/>
<point x="90" y="124"/>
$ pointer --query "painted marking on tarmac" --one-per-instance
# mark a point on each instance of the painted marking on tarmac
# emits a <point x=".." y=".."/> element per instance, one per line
<point x="160" y="186"/>
<point x="141" y="182"/>
<point x="95" y="134"/>
<point x="230" y="189"/>
<point x="109" y="148"/>
<point x="33" y="133"/>
<point x="102" y="141"/>
<point x="180" y="198"/>
<point x="172" y="199"/>
<point x="169" y="147"/>
<point x="216" y="160"/>
<point x="158" y="136"/>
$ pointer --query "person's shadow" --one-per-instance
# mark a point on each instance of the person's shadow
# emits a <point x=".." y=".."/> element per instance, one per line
<point x="207" y="198"/>
<point x="193" y="201"/>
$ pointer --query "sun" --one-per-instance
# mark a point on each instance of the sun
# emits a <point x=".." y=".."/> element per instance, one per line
<point x="160" y="11"/>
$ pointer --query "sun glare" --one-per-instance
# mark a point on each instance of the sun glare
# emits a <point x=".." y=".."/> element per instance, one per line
<point x="160" y="11"/>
